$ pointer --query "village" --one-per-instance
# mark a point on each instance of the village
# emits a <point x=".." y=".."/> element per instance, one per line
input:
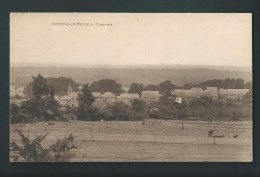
<point x="104" y="101"/>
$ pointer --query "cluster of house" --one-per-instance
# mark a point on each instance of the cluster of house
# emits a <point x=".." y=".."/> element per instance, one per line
<point x="102" y="100"/>
<point x="107" y="99"/>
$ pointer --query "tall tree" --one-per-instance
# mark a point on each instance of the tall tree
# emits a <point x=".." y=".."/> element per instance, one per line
<point x="39" y="87"/>
<point x="50" y="102"/>
<point x="86" y="99"/>
<point x="136" y="88"/>
<point x="165" y="89"/>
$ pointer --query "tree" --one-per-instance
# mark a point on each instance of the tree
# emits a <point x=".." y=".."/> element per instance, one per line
<point x="151" y="87"/>
<point x="166" y="87"/>
<point x="85" y="110"/>
<point x="106" y="85"/>
<point x="42" y="100"/>
<point x="138" y="105"/>
<point x="121" y="111"/>
<point x="14" y="113"/>
<point x="33" y="109"/>
<point x="39" y="87"/>
<point x="239" y="84"/>
<point x="50" y="102"/>
<point x="60" y="85"/>
<point x="228" y="83"/>
<point x="136" y="88"/>
<point x="86" y="99"/>
<point x="118" y="90"/>
<point x="188" y="86"/>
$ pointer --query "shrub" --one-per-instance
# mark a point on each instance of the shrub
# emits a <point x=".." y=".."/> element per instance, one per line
<point x="121" y="111"/>
<point x="33" y="151"/>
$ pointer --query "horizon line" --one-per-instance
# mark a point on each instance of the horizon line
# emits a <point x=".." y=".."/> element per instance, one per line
<point x="119" y="65"/>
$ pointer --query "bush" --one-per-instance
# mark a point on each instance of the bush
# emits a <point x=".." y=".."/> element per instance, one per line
<point x="138" y="106"/>
<point x="90" y="114"/>
<point x="33" y="151"/>
<point x="121" y="111"/>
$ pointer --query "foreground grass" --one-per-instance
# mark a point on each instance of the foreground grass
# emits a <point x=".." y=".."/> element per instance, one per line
<point x="154" y="140"/>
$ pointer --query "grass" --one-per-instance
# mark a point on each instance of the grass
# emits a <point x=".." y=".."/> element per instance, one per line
<point x="153" y="141"/>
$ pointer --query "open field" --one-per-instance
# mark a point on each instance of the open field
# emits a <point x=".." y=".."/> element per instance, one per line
<point x="153" y="141"/>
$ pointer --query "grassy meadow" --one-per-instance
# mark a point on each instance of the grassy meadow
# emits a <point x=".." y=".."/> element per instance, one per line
<point x="148" y="141"/>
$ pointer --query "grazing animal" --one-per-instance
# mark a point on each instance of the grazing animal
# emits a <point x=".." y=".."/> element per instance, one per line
<point x="233" y="136"/>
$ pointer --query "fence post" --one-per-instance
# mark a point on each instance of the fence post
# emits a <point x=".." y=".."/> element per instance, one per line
<point x="136" y="131"/>
<point x="154" y="137"/>
<point x="182" y="124"/>
<point x="214" y="140"/>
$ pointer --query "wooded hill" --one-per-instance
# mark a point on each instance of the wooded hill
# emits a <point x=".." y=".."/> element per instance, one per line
<point x="21" y="75"/>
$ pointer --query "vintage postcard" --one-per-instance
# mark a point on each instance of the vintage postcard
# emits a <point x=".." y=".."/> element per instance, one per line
<point x="131" y="87"/>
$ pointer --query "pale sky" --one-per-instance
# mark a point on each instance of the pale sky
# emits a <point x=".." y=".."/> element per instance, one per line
<point x="133" y="39"/>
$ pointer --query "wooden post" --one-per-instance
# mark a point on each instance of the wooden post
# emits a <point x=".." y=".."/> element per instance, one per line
<point x="182" y="124"/>
<point x="136" y="131"/>
<point x="92" y="137"/>
<point x="214" y="140"/>
<point x="154" y="137"/>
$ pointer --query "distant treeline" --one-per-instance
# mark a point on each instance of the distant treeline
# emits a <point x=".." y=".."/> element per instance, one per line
<point x="60" y="85"/>
<point x="228" y="83"/>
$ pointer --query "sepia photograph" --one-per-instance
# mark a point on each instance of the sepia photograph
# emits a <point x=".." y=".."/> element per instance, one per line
<point x="131" y="87"/>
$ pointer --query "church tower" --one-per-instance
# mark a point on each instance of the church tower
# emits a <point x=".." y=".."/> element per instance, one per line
<point x="69" y="88"/>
